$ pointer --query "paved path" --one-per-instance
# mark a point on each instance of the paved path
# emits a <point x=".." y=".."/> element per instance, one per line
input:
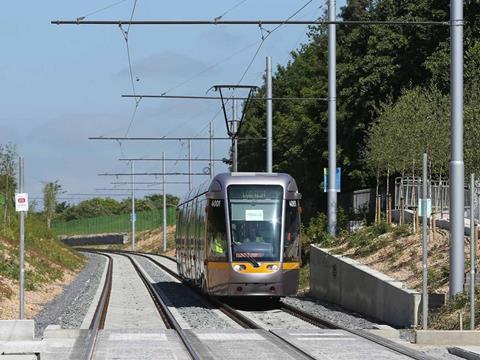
<point x="130" y="306"/>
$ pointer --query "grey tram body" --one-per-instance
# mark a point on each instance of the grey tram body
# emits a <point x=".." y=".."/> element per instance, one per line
<point x="221" y="276"/>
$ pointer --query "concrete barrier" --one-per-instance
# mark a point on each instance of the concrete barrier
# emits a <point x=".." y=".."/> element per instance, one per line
<point x="357" y="287"/>
<point x="96" y="239"/>
<point x="17" y="330"/>
<point x="447" y="337"/>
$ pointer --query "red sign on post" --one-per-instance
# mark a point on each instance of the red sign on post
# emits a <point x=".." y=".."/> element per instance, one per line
<point x="21" y="202"/>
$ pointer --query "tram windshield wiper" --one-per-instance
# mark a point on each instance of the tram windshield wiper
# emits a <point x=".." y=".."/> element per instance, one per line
<point x="248" y="257"/>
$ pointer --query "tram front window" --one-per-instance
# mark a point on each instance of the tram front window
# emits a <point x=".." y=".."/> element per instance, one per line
<point x="255" y="214"/>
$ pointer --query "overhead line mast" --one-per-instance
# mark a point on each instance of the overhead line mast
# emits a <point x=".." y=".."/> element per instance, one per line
<point x="457" y="256"/>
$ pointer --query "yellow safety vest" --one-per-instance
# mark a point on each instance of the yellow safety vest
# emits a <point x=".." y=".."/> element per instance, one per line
<point x="218" y="247"/>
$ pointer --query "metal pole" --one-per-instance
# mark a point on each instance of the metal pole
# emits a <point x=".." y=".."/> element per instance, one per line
<point x="425" y="245"/>
<point x="457" y="176"/>
<point x="133" y="219"/>
<point x="332" y="119"/>
<point x="164" y="208"/>
<point x="269" y="116"/>
<point x="235" y="142"/>
<point x="22" y="243"/>
<point x="213" y="148"/>
<point x="189" y="165"/>
<point x="210" y="148"/>
<point x="472" y="252"/>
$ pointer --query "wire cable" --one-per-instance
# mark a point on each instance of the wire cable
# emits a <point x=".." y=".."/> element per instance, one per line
<point x="265" y="37"/>
<point x="126" y="34"/>
<point x="229" y="10"/>
<point x="80" y="18"/>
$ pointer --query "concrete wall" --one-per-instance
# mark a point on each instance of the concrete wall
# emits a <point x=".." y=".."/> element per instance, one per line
<point x="357" y="287"/>
<point x="408" y="215"/>
<point x="98" y="239"/>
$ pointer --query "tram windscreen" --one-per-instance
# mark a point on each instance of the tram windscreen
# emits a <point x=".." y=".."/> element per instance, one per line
<point x="255" y="222"/>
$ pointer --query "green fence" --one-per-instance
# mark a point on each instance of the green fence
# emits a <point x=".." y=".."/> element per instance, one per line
<point x="146" y="220"/>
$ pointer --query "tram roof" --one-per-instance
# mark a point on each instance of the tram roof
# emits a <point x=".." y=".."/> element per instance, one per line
<point x="246" y="178"/>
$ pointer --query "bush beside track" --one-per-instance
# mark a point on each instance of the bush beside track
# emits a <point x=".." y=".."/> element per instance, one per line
<point x="47" y="263"/>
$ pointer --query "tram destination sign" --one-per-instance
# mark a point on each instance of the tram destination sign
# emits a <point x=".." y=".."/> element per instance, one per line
<point x="255" y="192"/>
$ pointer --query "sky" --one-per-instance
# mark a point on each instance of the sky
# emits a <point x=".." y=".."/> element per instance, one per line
<point x="63" y="84"/>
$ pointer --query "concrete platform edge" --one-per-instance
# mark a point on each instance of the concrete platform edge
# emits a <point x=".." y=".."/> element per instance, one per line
<point x="447" y="337"/>
<point x="17" y="330"/>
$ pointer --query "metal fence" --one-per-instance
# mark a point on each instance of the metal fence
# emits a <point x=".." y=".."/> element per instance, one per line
<point x="146" y="220"/>
<point x="410" y="190"/>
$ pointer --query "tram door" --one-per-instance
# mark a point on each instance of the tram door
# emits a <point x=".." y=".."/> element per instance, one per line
<point x="216" y="252"/>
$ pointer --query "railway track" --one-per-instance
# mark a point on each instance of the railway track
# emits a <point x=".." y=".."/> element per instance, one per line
<point x="98" y="321"/>
<point x="247" y="322"/>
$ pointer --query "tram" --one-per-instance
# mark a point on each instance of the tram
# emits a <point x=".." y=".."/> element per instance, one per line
<point x="239" y="235"/>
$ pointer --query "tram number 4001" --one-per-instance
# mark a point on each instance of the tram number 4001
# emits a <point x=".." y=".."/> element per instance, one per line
<point x="216" y="203"/>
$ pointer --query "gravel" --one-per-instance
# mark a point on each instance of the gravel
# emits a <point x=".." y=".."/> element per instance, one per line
<point x="189" y="305"/>
<point x="70" y="307"/>
<point x="277" y="319"/>
<point x="331" y="312"/>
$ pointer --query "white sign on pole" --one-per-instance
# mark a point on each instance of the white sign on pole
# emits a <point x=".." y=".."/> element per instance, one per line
<point x="21" y="202"/>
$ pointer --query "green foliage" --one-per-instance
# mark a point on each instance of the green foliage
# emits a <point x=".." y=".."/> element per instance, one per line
<point x="447" y="317"/>
<point x="46" y="257"/>
<point x="8" y="183"/>
<point x="97" y="207"/>
<point x="317" y="232"/>
<point x="304" y="280"/>
<point x="376" y="66"/>
<point x="51" y="190"/>
<point x="146" y="220"/>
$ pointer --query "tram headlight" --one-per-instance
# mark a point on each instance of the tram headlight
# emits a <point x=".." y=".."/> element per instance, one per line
<point x="272" y="267"/>
<point x="239" y="267"/>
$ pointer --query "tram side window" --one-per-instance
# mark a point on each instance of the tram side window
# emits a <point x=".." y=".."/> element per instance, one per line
<point x="291" y="248"/>
<point x="216" y="230"/>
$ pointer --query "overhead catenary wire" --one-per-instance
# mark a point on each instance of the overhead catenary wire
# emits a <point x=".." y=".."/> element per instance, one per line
<point x="258" y="22"/>
<point x="230" y="9"/>
<point x="80" y="18"/>
<point x="264" y="37"/>
<point x="126" y="34"/>
<point x="153" y="174"/>
<point x="171" y="138"/>
<point x="198" y="97"/>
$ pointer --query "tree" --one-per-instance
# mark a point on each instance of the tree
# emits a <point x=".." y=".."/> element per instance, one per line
<point x="51" y="190"/>
<point x="376" y="65"/>
<point x="8" y="156"/>
<point x="418" y="121"/>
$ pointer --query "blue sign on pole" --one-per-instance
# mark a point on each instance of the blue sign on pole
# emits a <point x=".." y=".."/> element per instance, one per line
<point x="337" y="179"/>
<point x="133" y="217"/>
<point x="429" y="207"/>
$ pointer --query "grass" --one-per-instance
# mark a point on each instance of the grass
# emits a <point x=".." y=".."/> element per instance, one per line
<point x="146" y="220"/>
<point x="46" y="259"/>
<point x="304" y="282"/>
<point x="448" y="317"/>
<point x="397" y="252"/>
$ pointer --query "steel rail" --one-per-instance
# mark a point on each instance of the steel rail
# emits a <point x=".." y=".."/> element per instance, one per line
<point x="165" y="312"/>
<point x="245" y="322"/>
<point x="318" y="321"/>
<point x="233" y="314"/>
<point x="98" y="320"/>
<point x="312" y="319"/>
